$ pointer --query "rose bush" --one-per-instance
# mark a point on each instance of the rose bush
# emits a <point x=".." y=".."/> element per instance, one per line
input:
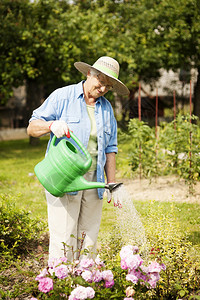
<point x="89" y="278"/>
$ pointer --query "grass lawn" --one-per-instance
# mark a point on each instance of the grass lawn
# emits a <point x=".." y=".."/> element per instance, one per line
<point x="17" y="161"/>
<point x="185" y="215"/>
<point x="17" y="180"/>
<point x="160" y="219"/>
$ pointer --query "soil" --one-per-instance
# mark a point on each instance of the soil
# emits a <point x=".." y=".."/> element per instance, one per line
<point x="163" y="189"/>
<point x="22" y="272"/>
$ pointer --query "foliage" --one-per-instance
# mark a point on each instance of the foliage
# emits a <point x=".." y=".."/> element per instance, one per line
<point x="171" y="246"/>
<point x="13" y="56"/>
<point x="181" y="140"/>
<point x="18" y="231"/>
<point x="41" y="40"/>
<point x="175" y="151"/>
<point x="144" y="156"/>
<point x="144" y="147"/>
<point x="75" y="279"/>
<point x="168" y="245"/>
<point x="181" y="278"/>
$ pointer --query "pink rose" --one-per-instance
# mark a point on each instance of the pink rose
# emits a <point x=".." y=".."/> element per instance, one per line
<point x="126" y="251"/>
<point x="81" y="293"/>
<point x="107" y="275"/>
<point x="42" y="274"/>
<point x="155" y="276"/>
<point x="123" y="265"/>
<point x="154" y="267"/>
<point x="109" y="284"/>
<point x="45" y="285"/>
<point x="132" y="278"/>
<point x="87" y="276"/>
<point x="97" y="276"/>
<point x="61" y="271"/>
<point x="130" y="291"/>
<point x="138" y="274"/>
<point x="64" y="259"/>
<point x="134" y="261"/>
<point x="152" y="283"/>
<point x="53" y="262"/>
<point x="90" y="292"/>
<point x="99" y="262"/>
<point x="86" y="263"/>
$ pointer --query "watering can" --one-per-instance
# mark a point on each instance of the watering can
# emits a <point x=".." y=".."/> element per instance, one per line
<point x="62" y="170"/>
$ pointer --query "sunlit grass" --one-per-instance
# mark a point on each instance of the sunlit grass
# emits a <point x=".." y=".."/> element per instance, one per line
<point x="186" y="216"/>
<point x="17" y="178"/>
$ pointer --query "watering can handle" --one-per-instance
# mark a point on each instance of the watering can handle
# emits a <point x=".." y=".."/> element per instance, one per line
<point x="78" y="142"/>
<point x="87" y="154"/>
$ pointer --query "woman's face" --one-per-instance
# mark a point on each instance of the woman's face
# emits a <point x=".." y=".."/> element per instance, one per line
<point x="98" y="85"/>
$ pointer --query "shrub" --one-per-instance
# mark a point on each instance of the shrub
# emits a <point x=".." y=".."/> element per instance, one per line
<point x="143" y="148"/>
<point x="172" y="247"/>
<point x="88" y="278"/>
<point x="18" y="231"/>
<point x="180" y="139"/>
<point x="174" y="151"/>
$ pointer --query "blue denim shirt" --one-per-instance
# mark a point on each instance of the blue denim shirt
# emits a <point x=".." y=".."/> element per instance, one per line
<point x="68" y="104"/>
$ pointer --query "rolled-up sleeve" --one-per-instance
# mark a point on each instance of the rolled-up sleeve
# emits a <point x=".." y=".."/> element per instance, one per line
<point x="112" y="145"/>
<point x="47" y="111"/>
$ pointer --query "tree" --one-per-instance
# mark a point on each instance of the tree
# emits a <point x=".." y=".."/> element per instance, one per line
<point x="166" y="34"/>
<point x="41" y="40"/>
<point x="12" y="55"/>
<point x="148" y="35"/>
<point x="178" y="31"/>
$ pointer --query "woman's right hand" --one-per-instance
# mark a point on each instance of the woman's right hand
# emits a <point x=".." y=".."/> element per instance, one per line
<point x="59" y="128"/>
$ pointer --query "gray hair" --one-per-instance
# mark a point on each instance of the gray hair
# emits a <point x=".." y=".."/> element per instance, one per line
<point x="94" y="72"/>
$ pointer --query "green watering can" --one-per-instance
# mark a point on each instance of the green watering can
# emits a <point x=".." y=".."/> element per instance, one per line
<point x="62" y="170"/>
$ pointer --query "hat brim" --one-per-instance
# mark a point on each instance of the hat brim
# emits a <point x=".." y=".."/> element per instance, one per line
<point x="118" y="87"/>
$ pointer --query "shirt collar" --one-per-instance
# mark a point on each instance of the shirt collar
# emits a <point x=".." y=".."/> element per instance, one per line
<point x="79" y="89"/>
<point x="79" y="92"/>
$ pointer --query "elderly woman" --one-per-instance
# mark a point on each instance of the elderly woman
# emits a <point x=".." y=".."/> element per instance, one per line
<point x="83" y="109"/>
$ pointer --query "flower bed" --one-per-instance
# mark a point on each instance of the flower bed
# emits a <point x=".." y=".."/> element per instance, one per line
<point x="88" y="278"/>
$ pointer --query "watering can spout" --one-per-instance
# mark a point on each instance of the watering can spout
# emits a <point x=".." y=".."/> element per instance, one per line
<point x="113" y="186"/>
<point x="80" y="183"/>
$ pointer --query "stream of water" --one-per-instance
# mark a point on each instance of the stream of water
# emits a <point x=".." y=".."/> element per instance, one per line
<point x="128" y="221"/>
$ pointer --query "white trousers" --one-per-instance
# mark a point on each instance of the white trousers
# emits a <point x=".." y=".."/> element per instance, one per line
<point x="74" y="215"/>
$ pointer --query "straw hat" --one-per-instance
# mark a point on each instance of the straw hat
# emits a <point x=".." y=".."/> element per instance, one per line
<point x="107" y="66"/>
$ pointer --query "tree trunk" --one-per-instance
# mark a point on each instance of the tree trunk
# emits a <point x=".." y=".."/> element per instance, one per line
<point x="196" y="109"/>
<point x="34" y="98"/>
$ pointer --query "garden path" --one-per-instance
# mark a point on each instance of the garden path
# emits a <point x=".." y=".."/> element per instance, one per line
<point x="168" y="188"/>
